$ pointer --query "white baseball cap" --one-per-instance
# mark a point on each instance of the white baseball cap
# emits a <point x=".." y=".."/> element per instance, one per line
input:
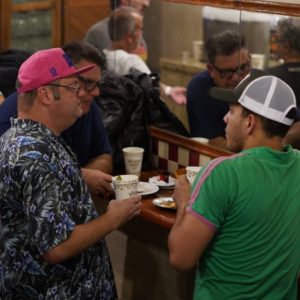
<point x="265" y="95"/>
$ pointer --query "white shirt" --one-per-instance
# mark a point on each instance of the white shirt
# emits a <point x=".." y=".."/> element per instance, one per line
<point x="120" y="62"/>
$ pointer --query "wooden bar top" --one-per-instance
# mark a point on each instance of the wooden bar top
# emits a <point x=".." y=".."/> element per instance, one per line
<point x="161" y="216"/>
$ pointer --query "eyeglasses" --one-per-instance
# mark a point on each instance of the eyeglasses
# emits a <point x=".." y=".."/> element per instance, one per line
<point x="228" y="73"/>
<point x="71" y="88"/>
<point x="88" y="84"/>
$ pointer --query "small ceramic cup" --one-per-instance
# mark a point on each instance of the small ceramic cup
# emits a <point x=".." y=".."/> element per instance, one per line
<point x="191" y="172"/>
<point x="125" y="186"/>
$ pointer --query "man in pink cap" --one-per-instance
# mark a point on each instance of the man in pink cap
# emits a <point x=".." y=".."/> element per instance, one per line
<point x="52" y="244"/>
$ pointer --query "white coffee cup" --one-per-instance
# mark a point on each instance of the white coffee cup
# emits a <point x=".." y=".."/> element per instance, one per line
<point x="258" y="61"/>
<point x="198" y="50"/>
<point x="133" y="158"/>
<point x="191" y="172"/>
<point x="185" y="56"/>
<point x="125" y="186"/>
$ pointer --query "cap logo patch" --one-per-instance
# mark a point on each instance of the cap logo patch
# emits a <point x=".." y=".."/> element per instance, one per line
<point x="53" y="71"/>
<point x="68" y="60"/>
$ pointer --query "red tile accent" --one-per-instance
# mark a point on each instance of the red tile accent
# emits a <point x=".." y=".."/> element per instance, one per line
<point x="193" y="158"/>
<point x="163" y="163"/>
<point x="173" y="152"/>
<point x="154" y="146"/>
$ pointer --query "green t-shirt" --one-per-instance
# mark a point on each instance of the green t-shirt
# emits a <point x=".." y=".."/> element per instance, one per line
<point x="252" y="200"/>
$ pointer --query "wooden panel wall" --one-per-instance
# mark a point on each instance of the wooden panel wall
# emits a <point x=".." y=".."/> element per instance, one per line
<point x="5" y="7"/>
<point x="80" y="15"/>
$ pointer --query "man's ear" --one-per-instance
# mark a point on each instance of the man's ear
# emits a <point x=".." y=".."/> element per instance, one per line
<point x="251" y="123"/>
<point x="129" y="39"/>
<point x="210" y="69"/>
<point x="44" y="95"/>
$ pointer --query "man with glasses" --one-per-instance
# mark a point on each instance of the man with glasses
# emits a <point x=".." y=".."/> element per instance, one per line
<point x="51" y="238"/>
<point x="86" y="137"/>
<point x="228" y="63"/>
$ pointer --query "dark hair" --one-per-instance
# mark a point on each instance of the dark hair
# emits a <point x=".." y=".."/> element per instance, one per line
<point x="223" y="43"/>
<point x="122" y="22"/>
<point x="79" y="50"/>
<point x="10" y="62"/>
<point x="114" y="4"/>
<point x="270" y="127"/>
<point x="289" y="32"/>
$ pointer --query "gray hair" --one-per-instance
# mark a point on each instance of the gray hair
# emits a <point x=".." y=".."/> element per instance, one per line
<point x="289" y="32"/>
<point x="122" y="22"/>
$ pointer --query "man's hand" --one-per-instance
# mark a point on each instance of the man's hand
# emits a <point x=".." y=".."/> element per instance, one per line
<point x="182" y="192"/>
<point x="178" y="95"/>
<point x="121" y="211"/>
<point x="97" y="181"/>
<point x="85" y="235"/>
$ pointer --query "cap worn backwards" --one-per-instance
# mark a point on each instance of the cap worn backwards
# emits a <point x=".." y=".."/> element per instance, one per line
<point x="265" y="95"/>
<point x="45" y="66"/>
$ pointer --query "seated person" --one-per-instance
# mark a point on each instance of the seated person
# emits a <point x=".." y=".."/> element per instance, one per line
<point x="288" y="33"/>
<point x="98" y="34"/>
<point x="86" y="137"/>
<point x="126" y="29"/>
<point x="228" y="63"/>
<point x="10" y="61"/>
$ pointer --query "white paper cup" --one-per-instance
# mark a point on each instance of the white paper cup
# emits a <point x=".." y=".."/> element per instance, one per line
<point x="133" y="158"/>
<point x="126" y="187"/>
<point x="191" y="172"/>
<point x="185" y="56"/>
<point x="198" y="50"/>
<point x="258" y="61"/>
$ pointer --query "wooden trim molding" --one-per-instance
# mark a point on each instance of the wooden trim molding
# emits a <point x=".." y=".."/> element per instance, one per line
<point x="29" y="6"/>
<point x="5" y="30"/>
<point x="262" y="6"/>
<point x="187" y="143"/>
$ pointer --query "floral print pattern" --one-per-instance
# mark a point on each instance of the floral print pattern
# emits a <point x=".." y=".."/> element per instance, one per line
<point x="43" y="197"/>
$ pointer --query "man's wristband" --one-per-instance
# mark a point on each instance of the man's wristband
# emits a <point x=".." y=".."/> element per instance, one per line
<point x="167" y="90"/>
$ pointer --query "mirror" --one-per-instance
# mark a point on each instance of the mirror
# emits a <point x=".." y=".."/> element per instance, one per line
<point x="170" y="29"/>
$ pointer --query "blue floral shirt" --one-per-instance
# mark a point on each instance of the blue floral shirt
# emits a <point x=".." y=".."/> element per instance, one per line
<point x="43" y="197"/>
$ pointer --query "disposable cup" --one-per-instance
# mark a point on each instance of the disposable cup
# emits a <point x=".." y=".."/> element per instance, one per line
<point x="125" y="186"/>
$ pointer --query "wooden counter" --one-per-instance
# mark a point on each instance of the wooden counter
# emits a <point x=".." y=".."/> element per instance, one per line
<point x="161" y="216"/>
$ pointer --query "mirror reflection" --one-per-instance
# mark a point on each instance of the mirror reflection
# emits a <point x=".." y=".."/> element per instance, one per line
<point x="173" y="48"/>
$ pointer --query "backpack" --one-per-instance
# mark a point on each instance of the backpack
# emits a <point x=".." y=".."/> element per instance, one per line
<point x="129" y="104"/>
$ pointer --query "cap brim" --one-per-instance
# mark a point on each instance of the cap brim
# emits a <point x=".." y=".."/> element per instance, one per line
<point x="223" y="94"/>
<point x="84" y="69"/>
<point x="233" y="95"/>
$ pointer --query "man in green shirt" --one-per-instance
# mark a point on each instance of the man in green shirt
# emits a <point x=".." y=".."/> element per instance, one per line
<point x="241" y="222"/>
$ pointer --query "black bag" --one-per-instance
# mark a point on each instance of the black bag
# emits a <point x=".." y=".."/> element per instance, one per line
<point x="128" y="105"/>
<point x="157" y="112"/>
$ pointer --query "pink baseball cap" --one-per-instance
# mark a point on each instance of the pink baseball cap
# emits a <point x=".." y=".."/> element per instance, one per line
<point x="45" y="66"/>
